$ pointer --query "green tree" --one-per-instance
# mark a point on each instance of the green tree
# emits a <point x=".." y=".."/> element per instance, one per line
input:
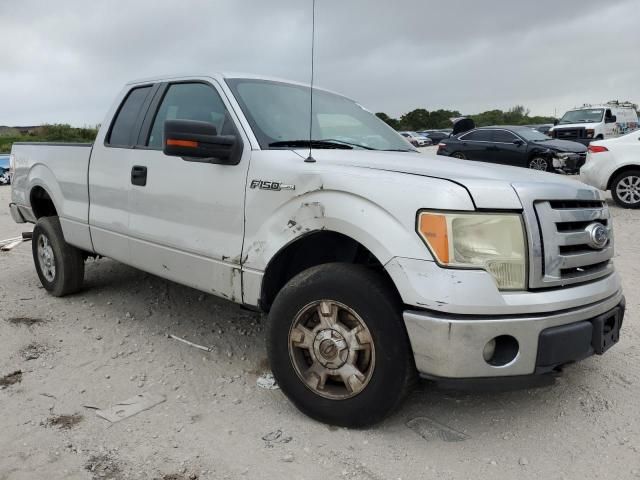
<point x="392" y="122"/>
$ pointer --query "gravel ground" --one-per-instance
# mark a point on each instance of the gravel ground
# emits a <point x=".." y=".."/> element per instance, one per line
<point x="109" y="343"/>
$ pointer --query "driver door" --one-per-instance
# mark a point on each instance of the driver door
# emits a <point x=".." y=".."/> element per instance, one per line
<point x="187" y="217"/>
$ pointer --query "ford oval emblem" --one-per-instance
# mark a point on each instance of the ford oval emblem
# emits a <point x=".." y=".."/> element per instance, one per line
<point x="598" y="235"/>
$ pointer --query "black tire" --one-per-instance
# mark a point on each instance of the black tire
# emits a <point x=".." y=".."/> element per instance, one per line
<point x="373" y="299"/>
<point x="68" y="275"/>
<point x="629" y="181"/>
<point x="537" y="162"/>
<point x="459" y="155"/>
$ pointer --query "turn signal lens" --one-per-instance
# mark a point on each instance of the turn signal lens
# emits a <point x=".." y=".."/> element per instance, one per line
<point x="172" y="142"/>
<point x="433" y="230"/>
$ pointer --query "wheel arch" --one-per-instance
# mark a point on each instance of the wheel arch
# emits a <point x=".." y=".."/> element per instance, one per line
<point x="622" y="169"/>
<point x="312" y="249"/>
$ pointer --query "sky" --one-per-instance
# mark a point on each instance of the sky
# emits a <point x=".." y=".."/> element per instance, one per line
<point x="64" y="61"/>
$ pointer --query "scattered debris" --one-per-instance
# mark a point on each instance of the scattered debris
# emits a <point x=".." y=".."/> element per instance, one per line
<point x="11" y="379"/>
<point x="64" y="422"/>
<point x="267" y="381"/>
<point x="27" y="321"/>
<point x="274" y="437"/>
<point x="9" y="243"/>
<point x="288" y="458"/>
<point x="91" y="407"/>
<point x="195" y="345"/>
<point x="48" y="395"/>
<point x="130" y="407"/>
<point x="103" y="467"/>
<point x="432" y="430"/>
<point x="179" y="476"/>
<point x="33" y="351"/>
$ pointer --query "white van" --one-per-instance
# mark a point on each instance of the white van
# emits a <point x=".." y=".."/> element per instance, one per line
<point x="596" y="122"/>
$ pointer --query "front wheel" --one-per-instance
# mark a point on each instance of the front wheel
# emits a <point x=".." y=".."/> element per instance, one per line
<point x="459" y="155"/>
<point x="338" y="347"/>
<point x="539" y="163"/>
<point x="625" y="189"/>
<point x="59" y="265"/>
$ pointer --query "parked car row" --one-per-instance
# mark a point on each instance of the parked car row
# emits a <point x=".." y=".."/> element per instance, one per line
<point x="416" y="139"/>
<point x="5" y="179"/>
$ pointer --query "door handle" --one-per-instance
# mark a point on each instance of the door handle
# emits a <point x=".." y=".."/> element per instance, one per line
<point x="139" y="175"/>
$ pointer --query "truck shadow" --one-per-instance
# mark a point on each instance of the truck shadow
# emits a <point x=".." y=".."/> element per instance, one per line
<point x="443" y="410"/>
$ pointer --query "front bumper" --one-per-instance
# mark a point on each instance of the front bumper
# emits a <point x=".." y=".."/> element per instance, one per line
<point x="452" y="346"/>
<point x="571" y="164"/>
<point x="16" y="214"/>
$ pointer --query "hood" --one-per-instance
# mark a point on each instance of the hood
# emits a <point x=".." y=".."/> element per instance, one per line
<point x="562" y="146"/>
<point x="491" y="186"/>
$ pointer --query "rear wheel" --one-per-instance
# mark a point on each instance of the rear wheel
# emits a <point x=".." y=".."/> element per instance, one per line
<point x="625" y="189"/>
<point x="59" y="265"/>
<point x="338" y="347"/>
<point x="539" y="163"/>
<point x="459" y="155"/>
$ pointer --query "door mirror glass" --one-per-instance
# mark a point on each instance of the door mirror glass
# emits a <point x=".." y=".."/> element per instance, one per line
<point x="198" y="141"/>
<point x="611" y="119"/>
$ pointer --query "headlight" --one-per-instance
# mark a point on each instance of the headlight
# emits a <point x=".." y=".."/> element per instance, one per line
<point x="561" y="155"/>
<point x="492" y="242"/>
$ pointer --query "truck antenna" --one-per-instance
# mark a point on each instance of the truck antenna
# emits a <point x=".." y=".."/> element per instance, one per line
<point x="310" y="158"/>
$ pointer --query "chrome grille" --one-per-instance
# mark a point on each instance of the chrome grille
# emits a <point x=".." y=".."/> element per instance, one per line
<point x="566" y="256"/>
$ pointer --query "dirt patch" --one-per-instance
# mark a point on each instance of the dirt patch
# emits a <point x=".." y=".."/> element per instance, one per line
<point x="28" y="321"/>
<point x="103" y="467"/>
<point x="33" y="351"/>
<point x="11" y="379"/>
<point x="179" y="476"/>
<point x="64" y="422"/>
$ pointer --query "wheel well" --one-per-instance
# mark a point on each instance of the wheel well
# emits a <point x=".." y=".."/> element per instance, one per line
<point x="313" y="249"/>
<point x="626" y="168"/>
<point x="41" y="203"/>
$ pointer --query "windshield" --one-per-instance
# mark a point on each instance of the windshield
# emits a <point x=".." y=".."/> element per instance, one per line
<point x="279" y="116"/>
<point x="583" y="116"/>
<point x="531" y="135"/>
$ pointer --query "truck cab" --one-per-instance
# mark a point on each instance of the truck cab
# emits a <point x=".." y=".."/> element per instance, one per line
<point x="596" y="122"/>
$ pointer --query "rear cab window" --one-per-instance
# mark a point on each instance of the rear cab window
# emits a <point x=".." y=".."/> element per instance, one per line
<point x="126" y="123"/>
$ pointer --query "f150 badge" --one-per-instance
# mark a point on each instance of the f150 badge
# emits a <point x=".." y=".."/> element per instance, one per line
<point x="273" y="186"/>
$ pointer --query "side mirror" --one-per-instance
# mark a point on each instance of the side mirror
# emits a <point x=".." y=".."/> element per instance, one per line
<point x="517" y="142"/>
<point x="199" y="142"/>
<point x="555" y="122"/>
<point x="611" y="119"/>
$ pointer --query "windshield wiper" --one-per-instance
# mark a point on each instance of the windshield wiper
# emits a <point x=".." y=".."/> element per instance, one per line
<point x="344" y="142"/>
<point x="399" y="150"/>
<point x="313" y="144"/>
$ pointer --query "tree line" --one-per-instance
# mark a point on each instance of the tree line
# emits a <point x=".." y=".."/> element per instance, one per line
<point x="48" y="133"/>
<point x="422" y="119"/>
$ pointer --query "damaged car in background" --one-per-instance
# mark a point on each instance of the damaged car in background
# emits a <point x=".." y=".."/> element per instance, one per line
<point x="518" y="146"/>
<point x="374" y="263"/>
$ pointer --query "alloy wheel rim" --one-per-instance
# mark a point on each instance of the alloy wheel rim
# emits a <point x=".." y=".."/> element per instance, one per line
<point x="538" y="164"/>
<point x="628" y="189"/>
<point x="331" y="349"/>
<point x="46" y="258"/>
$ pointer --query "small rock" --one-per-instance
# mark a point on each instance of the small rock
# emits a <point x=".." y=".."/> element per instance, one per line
<point x="288" y="458"/>
<point x="523" y="461"/>
<point x="237" y="401"/>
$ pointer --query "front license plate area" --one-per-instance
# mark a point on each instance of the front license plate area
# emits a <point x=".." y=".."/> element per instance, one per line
<point x="606" y="330"/>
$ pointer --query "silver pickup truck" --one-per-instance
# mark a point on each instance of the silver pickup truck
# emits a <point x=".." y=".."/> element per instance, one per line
<point x="374" y="262"/>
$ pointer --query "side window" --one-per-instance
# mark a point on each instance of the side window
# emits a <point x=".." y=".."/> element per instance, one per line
<point x="190" y="101"/>
<point x="123" y="133"/>
<point x="477" y="135"/>
<point x="503" y="136"/>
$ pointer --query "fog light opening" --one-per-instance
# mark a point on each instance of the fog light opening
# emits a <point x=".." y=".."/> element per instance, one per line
<point x="501" y="350"/>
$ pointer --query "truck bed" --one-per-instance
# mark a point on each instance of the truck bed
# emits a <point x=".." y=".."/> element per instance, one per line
<point x="61" y="169"/>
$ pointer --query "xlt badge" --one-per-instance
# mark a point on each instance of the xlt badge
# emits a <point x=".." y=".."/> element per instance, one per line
<point x="274" y="186"/>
